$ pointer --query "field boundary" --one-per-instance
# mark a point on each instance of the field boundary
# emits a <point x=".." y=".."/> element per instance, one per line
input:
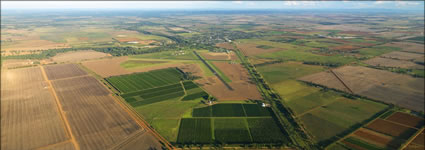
<point x="59" y="106"/>
<point x="213" y="71"/>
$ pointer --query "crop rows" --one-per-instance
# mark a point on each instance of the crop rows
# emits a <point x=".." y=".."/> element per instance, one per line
<point x="231" y="130"/>
<point x="232" y="110"/>
<point x="195" y="96"/>
<point x="157" y="98"/>
<point x="145" y="80"/>
<point x="195" y="131"/>
<point x="265" y="130"/>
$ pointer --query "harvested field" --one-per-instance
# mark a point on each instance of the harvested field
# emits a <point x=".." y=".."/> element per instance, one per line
<point x="386" y="62"/>
<point x="403" y="56"/>
<point x="28" y="110"/>
<point x="408" y="47"/>
<point x="85" y="102"/>
<point x="141" y="139"/>
<point x="219" y="56"/>
<point x="243" y="89"/>
<point x="77" y="56"/>
<point x="225" y="45"/>
<point x="63" y="71"/>
<point x="377" y="138"/>
<point x="112" y="66"/>
<point x="16" y="63"/>
<point x="392" y="129"/>
<point x="402" y="90"/>
<point x="406" y="119"/>
<point x="420" y="139"/>
<point x="251" y="49"/>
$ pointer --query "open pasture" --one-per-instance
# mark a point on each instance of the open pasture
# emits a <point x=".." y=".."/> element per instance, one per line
<point x="28" y="110"/>
<point x="63" y="71"/>
<point x="249" y="49"/>
<point x="225" y="45"/>
<point x="388" y="87"/>
<point x="77" y="56"/>
<point x="276" y="73"/>
<point x="145" y="80"/>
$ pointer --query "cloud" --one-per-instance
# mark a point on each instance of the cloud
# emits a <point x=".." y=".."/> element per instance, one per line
<point x="237" y="2"/>
<point x="404" y="4"/>
<point x="291" y="3"/>
<point x="300" y="3"/>
<point x="381" y="2"/>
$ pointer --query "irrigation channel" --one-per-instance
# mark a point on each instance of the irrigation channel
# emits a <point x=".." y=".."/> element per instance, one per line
<point x="213" y="71"/>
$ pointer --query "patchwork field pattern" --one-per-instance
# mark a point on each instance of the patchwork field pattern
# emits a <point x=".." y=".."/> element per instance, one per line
<point x="402" y="90"/>
<point x="235" y="123"/>
<point x="388" y="133"/>
<point x="63" y="71"/>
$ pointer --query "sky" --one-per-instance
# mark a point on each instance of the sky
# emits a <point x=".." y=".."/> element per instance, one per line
<point x="408" y="5"/>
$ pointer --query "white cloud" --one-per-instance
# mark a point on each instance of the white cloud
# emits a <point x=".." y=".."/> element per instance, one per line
<point x="237" y="2"/>
<point x="291" y="3"/>
<point x="380" y="2"/>
<point x="404" y="4"/>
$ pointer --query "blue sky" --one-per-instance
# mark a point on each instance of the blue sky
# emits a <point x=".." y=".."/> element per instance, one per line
<point x="418" y="5"/>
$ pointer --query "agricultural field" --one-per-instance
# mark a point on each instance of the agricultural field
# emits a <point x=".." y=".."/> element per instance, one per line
<point x="160" y="96"/>
<point x="390" y="131"/>
<point x="75" y="91"/>
<point x="388" y="87"/>
<point x="230" y="123"/>
<point x="28" y="110"/>
<point x="386" y="62"/>
<point x="63" y="71"/>
<point x="77" y="56"/>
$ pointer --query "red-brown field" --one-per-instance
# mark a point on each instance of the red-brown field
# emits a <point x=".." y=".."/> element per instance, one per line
<point x="243" y="89"/>
<point x="406" y="119"/>
<point x="377" y="138"/>
<point x="77" y="56"/>
<point x="385" y="86"/>
<point x="386" y="62"/>
<point x="251" y="49"/>
<point x="29" y="113"/>
<point x="393" y="129"/>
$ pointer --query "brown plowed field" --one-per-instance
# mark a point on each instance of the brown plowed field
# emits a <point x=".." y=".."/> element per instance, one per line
<point x="29" y="114"/>
<point x="61" y="146"/>
<point x="408" y="47"/>
<point x="406" y="119"/>
<point x="420" y="139"/>
<point x="251" y="49"/>
<point x="414" y="147"/>
<point x="379" y="139"/>
<point x="386" y="62"/>
<point x="77" y="56"/>
<point x="96" y="120"/>
<point x="243" y="89"/>
<point x="356" y="147"/>
<point x="63" y="71"/>
<point x="219" y="56"/>
<point x="403" y="56"/>
<point x="392" y="129"/>
<point x="402" y="90"/>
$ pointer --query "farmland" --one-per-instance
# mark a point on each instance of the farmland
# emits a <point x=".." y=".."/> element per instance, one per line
<point x="390" y="87"/>
<point x="231" y="123"/>
<point x="390" y="132"/>
<point x="214" y="79"/>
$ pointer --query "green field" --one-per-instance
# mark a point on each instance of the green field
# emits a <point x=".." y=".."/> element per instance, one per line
<point x="182" y="55"/>
<point x="145" y="80"/>
<point x="235" y="123"/>
<point x="289" y="70"/>
<point x="377" y="50"/>
<point x="195" y="131"/>
<point x="298" y="55"/>
<point x="161" y="98"/>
